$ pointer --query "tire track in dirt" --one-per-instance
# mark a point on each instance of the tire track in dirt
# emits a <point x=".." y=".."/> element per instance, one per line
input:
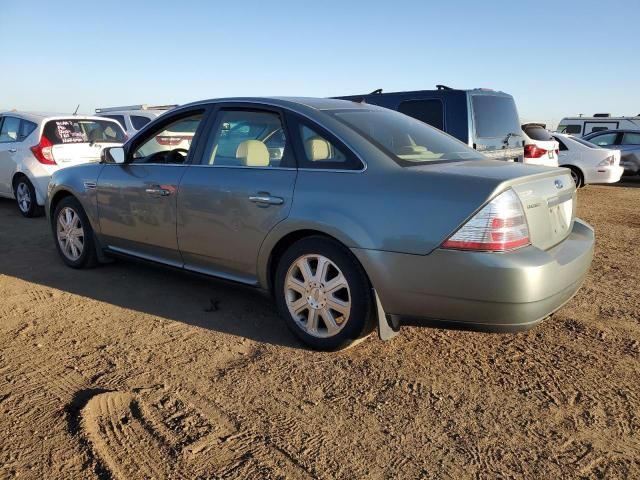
<point x="157" y="433"/>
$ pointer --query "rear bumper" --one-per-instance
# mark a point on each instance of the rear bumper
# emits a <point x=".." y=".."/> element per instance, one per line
<point x="481" y="290"/>
<point x="604" y="174"/>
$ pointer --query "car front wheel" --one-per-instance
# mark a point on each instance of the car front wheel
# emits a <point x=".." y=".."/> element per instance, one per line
<point x="73" y="234"/>
<point x="323" y="294"/>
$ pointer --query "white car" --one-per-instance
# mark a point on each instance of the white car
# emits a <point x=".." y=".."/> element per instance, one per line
<point x="588" y="162"/>
<point x="539" y="146"/>
<point x="133" y="117"/>
<point x="34" y="145"/>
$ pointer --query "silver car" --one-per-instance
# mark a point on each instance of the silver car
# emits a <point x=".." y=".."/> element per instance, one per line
<point x="352" y="216"/>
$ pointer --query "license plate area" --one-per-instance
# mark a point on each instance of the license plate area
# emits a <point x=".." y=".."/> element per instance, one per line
<point x="561" y="213"/>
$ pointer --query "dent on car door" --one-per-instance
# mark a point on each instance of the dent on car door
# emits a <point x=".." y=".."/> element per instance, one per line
<point x="241" y="189"/>
<point x="137" y="199"/>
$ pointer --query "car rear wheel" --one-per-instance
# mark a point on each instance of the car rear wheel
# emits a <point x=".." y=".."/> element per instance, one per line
<point x="323" y="294"/>
<point x="577" y="177"/>
<point x="73" y="234"/>
<point x="25" y="196"/>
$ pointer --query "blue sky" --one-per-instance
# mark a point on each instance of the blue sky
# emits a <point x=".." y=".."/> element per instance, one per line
<point x="555" y="58"/>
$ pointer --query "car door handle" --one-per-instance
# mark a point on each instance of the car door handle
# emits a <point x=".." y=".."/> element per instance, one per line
<point x="266" y="199"/>
<point x="161" y="192"/>
<point x="13" y="150"/>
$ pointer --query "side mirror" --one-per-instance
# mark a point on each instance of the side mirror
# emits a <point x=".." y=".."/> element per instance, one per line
<point x="113" y="155"/>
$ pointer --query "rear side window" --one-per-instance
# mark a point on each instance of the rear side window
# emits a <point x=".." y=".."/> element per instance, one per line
<point x="571" y="129"/>
<point x="495" y="116"/>
<point x="138" y="122"/>
<point x="599" y="129"/>
<point x="73" y="130"/>
<point x="10" y="130"/>
<point x="430" y="112"/>
<point x="631" y="139"/>
<point x="537" y="133"/>
<point x="561" y="144"/>
<point x="119" y="119"/>
<point x="26" y="128"/>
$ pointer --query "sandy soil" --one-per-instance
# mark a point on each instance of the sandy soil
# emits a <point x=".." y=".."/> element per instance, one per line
<point x="133" y="371"/>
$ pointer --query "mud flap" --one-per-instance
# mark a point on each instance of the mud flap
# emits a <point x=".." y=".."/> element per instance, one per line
<point x="388" y="326"/>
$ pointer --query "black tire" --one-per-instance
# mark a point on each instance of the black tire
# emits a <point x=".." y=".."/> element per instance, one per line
<point x="25" y="195"/>
<point x="576" y="175"/>
<point x="88" y="257"/>
<point x="359" y="322"/>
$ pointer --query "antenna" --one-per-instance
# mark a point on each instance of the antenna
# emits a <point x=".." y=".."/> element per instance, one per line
<point x="76" y="112"/>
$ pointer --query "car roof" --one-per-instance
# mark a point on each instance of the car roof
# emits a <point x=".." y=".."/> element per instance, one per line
<point x="293" y="103"/>
<point x="38" y="117"/>
<point x="617" y="130"/>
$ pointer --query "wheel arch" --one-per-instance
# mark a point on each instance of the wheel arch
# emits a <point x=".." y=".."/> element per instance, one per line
<point x="577" y="169"/>
<point x="56" y="199"/>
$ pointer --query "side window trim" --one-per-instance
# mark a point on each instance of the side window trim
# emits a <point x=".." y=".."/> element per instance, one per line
<point x="214" y="121"/>
<point x="296" y="122"/>
<point x="205" y="110"/>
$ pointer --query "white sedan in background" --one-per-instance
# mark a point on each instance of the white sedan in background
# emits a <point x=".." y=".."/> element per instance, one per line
<point x="588" y="162"/>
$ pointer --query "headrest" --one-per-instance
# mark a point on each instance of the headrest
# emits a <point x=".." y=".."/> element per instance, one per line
<point x="253" y="153"/>
<point x="317" y="149"/>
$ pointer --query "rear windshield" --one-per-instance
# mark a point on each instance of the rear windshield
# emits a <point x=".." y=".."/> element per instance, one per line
<point x="405" y="139"/>
<point x="73" y="130"/>
<point x="537" y="133"/>
<point x="495" y="116"/>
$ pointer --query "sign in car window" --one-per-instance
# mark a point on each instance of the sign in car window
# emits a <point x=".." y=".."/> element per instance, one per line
<point x="66" y="132"/>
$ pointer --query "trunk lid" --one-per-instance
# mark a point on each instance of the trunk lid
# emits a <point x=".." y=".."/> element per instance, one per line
<point x="547" y="194"/>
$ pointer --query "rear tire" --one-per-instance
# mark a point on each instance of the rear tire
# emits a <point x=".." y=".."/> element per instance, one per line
<point x="73" y="234"/>
<point x="576" y="175"/>
<point x="323" y="294"/>
<point x="25" y="195"/>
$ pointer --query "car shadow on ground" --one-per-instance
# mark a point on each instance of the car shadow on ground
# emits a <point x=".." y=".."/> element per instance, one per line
<point x="630" y="182"/>
<point x="27" y="252"/>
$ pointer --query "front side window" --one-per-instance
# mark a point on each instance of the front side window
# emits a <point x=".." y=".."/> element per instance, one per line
<point x="244" y="138"/>
<point x="171" y="144"/>
<point x="430" y="112"/>
<point x="631" y="139"/>
<point x="405" y="139"/>
<point x="571" y="128"/>
<point x="604" y="140"/>
<point x="10" y="129"/>
<point x="138" y="121"/>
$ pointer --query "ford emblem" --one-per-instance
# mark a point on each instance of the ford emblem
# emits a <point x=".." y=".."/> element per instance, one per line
<point x="559" y="184"/>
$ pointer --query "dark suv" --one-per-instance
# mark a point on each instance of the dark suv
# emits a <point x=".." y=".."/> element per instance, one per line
<point x="483" y="119"/>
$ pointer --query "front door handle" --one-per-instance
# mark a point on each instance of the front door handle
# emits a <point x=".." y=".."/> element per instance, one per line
<point x="13" y="150"/>
<point x="161" y="192"/>
<point x="266" y="199"/>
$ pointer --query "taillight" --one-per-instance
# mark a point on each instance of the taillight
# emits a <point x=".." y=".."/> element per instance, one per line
<point x="533" y="151"/>
<point x="557" y="152"/>
<point x="500" y="225"/>
<point x="607" y="161"/>
<point x="168" y="140"/>
<point x="43" y="151"/>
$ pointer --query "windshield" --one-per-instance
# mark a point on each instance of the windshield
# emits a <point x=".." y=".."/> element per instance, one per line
<point x="495" y="116"/>
<point x="73" y="130"/>
<point x="405" y="139"/>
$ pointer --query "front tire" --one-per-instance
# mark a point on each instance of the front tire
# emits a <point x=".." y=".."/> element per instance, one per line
<point x="25" y="195"/>
<point x="323" y="294"/>
<point x="73" y="234"/>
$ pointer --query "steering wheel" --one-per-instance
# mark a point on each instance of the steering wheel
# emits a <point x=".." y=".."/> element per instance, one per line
<point x="183" y="151"/>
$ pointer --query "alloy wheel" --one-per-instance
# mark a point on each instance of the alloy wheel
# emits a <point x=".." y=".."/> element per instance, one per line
<point x="23" y="197"/>
<point x="317" y="295"/>
<point x="70" y="234"/>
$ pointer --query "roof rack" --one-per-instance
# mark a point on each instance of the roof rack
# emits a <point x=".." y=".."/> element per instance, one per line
<point x="377" y="91"/>
<point x="601" y="115"/>
<point x="135" y="107"/>
<point x="443" y="87"/>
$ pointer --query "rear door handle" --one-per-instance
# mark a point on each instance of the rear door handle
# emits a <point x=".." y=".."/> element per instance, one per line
<point x="161" y="192"/>
<point x="266" y="199"/>
<point x="13" y="150"/>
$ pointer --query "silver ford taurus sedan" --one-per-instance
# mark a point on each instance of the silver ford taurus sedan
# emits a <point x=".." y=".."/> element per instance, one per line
<point x="351" y="215"/>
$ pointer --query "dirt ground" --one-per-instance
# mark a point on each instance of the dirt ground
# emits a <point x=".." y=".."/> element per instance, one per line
<point x="133" y="371"/>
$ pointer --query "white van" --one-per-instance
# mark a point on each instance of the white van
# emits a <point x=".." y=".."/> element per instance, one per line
<point x="581" y="126"/>
<point x="133" y="117"/>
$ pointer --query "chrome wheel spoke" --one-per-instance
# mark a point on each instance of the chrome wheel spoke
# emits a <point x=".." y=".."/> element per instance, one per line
<point x="70" y="234"/>
<point x="317" y="295"/>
